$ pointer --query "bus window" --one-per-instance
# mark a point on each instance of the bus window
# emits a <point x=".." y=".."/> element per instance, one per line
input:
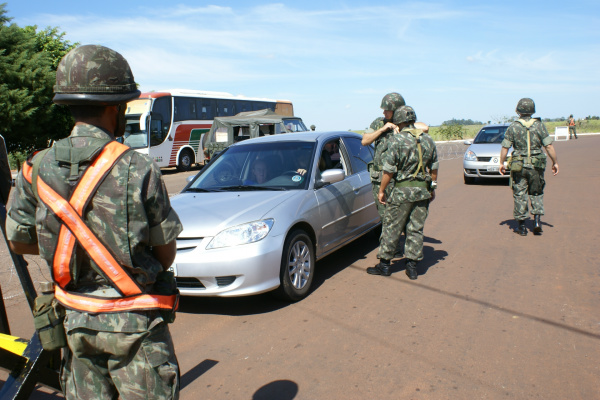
<point x="205" y="109"/>
<point x="161" y="111"/>
<point x="185" y="109"/>
<point x="225" y="108"/>
<point x="156" y="132"/>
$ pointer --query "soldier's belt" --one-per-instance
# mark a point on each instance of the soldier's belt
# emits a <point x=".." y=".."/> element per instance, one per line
<point x="422" y="184"/>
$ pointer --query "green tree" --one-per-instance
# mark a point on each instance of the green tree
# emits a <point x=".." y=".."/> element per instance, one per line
<point x="28" y="61"/>
<point x="451" y="131"/>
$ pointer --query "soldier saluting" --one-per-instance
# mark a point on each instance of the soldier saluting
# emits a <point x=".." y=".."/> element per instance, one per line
<point x="99" y="214"/>
<point x="527" y="136"/>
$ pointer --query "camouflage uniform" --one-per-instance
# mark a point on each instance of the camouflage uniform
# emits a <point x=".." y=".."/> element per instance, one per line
<point x="376" y="166"/>
<point x="572" y="130"/>
<point x="126" y="352"/>
<point x="407" y="206"/>
<point x="528" y="184"/>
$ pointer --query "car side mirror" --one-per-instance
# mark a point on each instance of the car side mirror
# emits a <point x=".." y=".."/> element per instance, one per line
<point x="330" y="176"/>
<point x="468" y="142"/>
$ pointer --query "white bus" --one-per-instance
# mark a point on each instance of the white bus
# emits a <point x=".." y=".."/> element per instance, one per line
<point x="169" y="125"/>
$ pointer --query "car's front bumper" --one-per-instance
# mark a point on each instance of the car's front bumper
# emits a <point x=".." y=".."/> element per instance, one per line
<point x="483" y="169"/>
<point x="230" y="271"/>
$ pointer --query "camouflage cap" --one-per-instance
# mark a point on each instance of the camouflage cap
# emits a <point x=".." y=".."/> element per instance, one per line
<point x="525" y="106"/>
<point x="94" y="75"/>
<point x="404" y="114"/>
<point x="392" y="101"/>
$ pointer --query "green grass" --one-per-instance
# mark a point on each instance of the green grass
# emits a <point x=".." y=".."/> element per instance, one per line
<point x="469" y="131"/>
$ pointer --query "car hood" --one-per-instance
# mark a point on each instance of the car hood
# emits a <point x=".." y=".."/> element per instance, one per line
<point x="206" y="214"/>
<point x="487" y="149"/>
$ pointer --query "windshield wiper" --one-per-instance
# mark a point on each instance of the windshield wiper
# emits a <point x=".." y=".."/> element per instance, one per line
<point x="249" y="188"/>
<point x="201" y="190"/>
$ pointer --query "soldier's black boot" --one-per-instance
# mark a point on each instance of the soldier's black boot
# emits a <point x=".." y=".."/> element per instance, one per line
<point x="411" y="269"/>
<point x="521" y="229"/>
<point x="537" y="225"/>
<point x="383" y="268"/>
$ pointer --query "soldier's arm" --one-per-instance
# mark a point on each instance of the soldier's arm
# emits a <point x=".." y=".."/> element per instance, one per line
<point x="165" y="254"/>
<point x="503" y="153"/>
<point x="552" y="154"/>
<point x="370" y="137"/>
<point x="385" y="180"/>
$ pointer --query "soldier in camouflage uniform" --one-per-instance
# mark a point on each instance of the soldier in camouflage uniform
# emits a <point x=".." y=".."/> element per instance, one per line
<point x="379" y="132"/>
<point x="527" y="136"/>
<point x="410" y="167"/>
<point x="125" y="351"/>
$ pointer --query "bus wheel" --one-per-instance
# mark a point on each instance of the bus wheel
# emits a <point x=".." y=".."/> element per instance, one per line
<point x="186" y="158"/>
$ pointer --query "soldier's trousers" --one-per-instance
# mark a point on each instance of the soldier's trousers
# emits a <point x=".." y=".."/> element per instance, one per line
<point x="110" y="365"/>
<point x="408" y="217"/>
<point x="572" y="132"/>
<point x="528" y="186"/>
<point x="381" y="210"/>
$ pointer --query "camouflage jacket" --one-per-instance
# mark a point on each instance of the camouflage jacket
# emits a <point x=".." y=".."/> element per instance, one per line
<point x="379" y="144"/>
<point x="402" y="160"/>
<point x="129" y="212"/>
<point x="516" y="136"/>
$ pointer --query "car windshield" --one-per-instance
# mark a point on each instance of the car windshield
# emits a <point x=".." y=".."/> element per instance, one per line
<point x="294" y="125"/>
<point x="489" y="134"/>
<point x="259" y="166"/>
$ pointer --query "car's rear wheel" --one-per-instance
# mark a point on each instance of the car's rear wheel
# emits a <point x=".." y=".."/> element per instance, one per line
<point x="297" y="267"/>
<point x="186" y="159"/>
<point x="469" y="180"/>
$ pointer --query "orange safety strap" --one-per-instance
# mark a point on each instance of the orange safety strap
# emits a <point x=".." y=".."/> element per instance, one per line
<point x="96" y="304"/>
<point x="86" y="187"/>
<point x="71" y="218"/>
<point x="75" y="229"/>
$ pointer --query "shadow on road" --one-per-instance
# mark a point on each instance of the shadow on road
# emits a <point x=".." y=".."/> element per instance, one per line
<point x="512" y="224"/>
<point x="281" y="390"/>
<point x="195" y="372"/>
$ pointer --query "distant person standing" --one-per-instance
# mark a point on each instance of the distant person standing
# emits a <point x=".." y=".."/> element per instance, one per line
<point x="527" y="136"/>
<point x="572" y="130"/>
<point x="410" y="168"/>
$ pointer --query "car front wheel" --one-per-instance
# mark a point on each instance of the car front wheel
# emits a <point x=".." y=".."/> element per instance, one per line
<point x="297" y="267"/>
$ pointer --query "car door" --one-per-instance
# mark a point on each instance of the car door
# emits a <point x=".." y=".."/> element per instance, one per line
<point x="360" y="156"/>
<point x="339" y="205"/>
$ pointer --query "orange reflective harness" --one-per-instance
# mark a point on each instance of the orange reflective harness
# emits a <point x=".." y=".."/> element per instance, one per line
<point x="74" y="229"/>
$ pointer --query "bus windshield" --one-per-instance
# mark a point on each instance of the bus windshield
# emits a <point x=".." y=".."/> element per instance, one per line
<point x="135" y="137"/>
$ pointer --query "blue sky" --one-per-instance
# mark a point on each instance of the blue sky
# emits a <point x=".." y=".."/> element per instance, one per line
<point x="336" y="59"/>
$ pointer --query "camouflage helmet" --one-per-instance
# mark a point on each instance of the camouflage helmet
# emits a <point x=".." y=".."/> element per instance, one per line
<point x="94" y="75"/>
<point x="392" y="101"/>
<point x="526" y="106"/>
<point x="404" y="114"/>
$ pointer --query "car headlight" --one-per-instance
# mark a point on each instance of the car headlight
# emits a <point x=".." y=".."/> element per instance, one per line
<point x="470" y="156"/>
<point x="241" y="234"/>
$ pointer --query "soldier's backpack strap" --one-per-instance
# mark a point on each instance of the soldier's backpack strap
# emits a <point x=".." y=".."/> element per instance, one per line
<point x="35" y="171"/>
<point x="527" y="125"/>
<point x="417" y="134"/>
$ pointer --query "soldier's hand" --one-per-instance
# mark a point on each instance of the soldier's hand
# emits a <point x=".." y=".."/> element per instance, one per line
<point x="432" y="196"/>
<point x="422" y="126"/>
<point x="389" y="126"/>
<point x="555" y="168"/>
<point x="502" y="170"/>
<point x="381" y="197"/>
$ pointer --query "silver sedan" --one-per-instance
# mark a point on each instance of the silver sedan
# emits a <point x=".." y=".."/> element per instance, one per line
<point x="259" y="216"/>
<point x="482" y="158"/>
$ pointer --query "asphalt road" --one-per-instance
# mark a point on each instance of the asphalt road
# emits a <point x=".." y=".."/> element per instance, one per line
<point x="493" y="315"/>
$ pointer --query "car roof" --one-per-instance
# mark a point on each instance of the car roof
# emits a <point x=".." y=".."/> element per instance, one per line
<point x="495" y="125"/>
<point x="298" y="136"/>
